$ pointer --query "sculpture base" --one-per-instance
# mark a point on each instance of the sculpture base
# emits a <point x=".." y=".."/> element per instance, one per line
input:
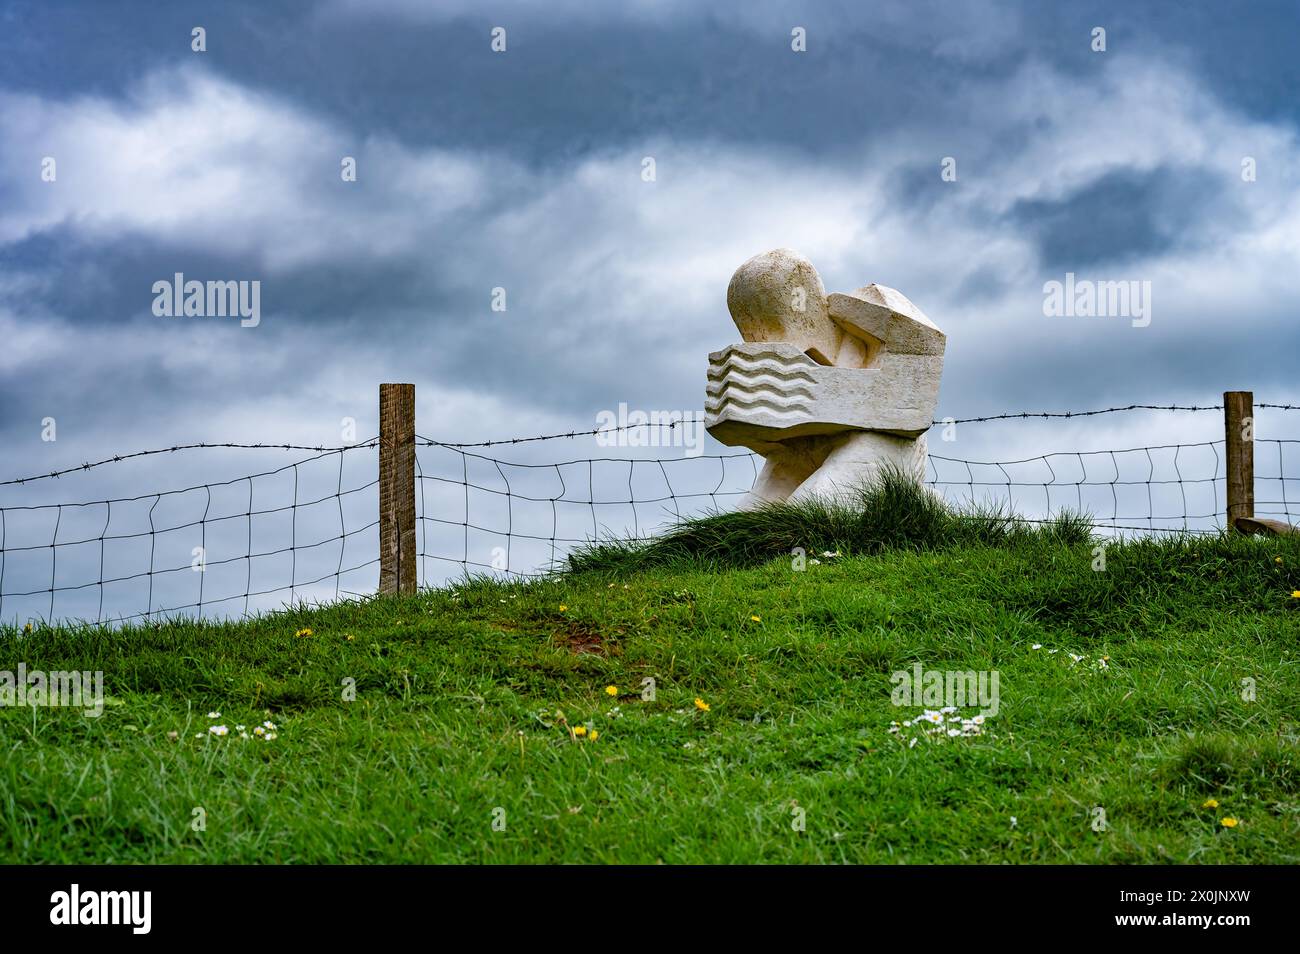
<point x="834" y="467"/>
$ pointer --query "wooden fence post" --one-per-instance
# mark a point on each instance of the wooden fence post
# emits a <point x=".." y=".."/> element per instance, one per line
<point x="397" y="488"/>
<point x="1239" y="442"/>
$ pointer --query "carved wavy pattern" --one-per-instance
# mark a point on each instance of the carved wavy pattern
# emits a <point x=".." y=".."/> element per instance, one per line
<point x="782" y="367"/>
<point x="793" y="414"/>
<point x="761" y="384"/>
<point x="754" y="402"/>
<point x="773" y="386"/>
<point x="741" y="387"/>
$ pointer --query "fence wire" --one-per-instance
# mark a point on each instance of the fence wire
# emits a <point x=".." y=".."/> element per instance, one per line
<point x="308" y="530"/>
<point x="196" y="547"/>
<point x="1095" y="483"/>
<point x="497" y="515"/>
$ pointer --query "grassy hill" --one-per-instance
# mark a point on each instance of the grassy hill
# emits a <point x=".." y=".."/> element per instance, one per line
<point x="1120" y="689"/>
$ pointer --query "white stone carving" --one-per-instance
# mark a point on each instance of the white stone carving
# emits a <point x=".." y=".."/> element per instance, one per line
<point x="828" y="388"/>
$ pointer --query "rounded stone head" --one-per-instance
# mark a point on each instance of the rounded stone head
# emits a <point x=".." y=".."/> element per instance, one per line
<point x="778" y="296"/>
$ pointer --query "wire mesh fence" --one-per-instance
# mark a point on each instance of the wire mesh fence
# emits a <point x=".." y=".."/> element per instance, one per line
<point x="1147" y="489"/>
<point x="520" y="518"/>
<point x="303" y="530"/>
<point x="307" y="530"/>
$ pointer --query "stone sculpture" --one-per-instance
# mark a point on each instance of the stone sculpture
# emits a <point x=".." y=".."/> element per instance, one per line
<point x="828" y="388"/>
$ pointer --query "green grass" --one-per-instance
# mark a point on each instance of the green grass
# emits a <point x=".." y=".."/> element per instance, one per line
<point x="891" y="512"/>
<point x="463" y="696"/>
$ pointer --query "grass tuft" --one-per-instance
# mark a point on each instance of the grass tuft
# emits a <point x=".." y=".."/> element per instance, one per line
<point x="892" y="511"/>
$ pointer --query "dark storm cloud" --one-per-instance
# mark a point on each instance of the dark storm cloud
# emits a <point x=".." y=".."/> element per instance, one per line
<point x="1118" y="217"/>
<point x="591" y="83"/>
<point x="597" y="80"/>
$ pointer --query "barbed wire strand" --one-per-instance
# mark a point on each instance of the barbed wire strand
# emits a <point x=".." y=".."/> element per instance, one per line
<point x="1114" y="473"/>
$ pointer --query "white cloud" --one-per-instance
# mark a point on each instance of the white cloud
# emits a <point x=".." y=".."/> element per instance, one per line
<point x="600" y="265"/>
<point x="199" y="161"/>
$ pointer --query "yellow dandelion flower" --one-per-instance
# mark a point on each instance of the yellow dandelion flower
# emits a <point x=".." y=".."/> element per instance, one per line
<point x="1295" y="594"/>
<point x="611" y="690"/>
<point x="1277" y="559"/>
<point x="579" y="730"/>
<point x="757" y="619"/>
<point x="594" y="735"/>
<point x="1210" y="803"/>
<point x="27" y="628"/>
<point x="563" y="607"/>
<point x="701" y="705"/>
<point x="349" y="637"/>
<point x="1228" y="822"/>
<point x="303" y="632"/>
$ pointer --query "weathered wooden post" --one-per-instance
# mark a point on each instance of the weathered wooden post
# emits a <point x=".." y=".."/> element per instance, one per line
<point x="397" y="488"/>
<point x="1239" y="442"/>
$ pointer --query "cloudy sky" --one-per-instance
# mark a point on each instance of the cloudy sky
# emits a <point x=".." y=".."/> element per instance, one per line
<point x="522" y="170"/>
